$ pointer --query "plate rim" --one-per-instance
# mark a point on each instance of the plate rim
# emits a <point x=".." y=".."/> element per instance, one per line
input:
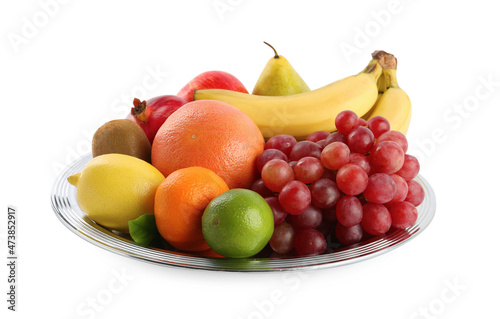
<point x="104" y="238"/>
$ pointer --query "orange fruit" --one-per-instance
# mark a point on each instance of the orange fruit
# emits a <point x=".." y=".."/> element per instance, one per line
<point x="211" y="134"/>
<point x="179" y="204"/>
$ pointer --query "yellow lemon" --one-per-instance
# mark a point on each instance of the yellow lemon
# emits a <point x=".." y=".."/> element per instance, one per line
<point x="115" y="188"/>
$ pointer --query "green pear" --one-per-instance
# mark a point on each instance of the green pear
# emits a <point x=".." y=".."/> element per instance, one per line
<point x="279" y="78"/>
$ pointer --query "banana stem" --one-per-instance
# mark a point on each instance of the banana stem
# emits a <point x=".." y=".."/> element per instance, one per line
<point x="387" y="80"/>
<point x="386" y="60"/>
<point x="382" y="83"/>
<point x="373" y="68"/>
<point x="389" y="64"/>
<point x="390" y="78"/>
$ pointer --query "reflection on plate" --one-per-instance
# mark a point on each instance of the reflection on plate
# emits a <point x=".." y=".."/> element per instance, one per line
<point x="67" y="210"/>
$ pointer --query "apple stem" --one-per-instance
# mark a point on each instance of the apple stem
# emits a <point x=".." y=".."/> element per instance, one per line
<point x="276" y="56"/>
<point x="139" y="110"/>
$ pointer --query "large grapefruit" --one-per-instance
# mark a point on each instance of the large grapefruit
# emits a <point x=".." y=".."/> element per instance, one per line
<point x="210" y="134"/>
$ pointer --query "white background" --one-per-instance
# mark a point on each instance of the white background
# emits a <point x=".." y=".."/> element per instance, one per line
<point x="83" y="62"/>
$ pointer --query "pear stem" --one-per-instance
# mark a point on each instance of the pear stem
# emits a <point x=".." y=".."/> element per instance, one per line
<point x="276" y="56"/>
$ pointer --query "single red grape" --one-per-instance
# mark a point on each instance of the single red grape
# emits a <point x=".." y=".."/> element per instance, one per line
<point x="415" y="194"/>
<point x="336" y="137"/>
<point x="295" y="197"/>
<point x="282" y="240"/>
<point x="282" y="142"/>
<point x="321" y="143"/>
<point x="395" y="136"/>
<point x="309" y="242"/>
<point x="335" y="155"/>
<point x="259" y="187"/>
<point x="277" y="173"/>
<point x="279" y="213"/>
<point x="310" y="218"/>
<point x="317" y="136"/>
<point x="308" y="169"/>
<point x="303" y="149"/>
<point x="386" y="157"/>
<point x="381" y="188"/>
<point x="362" y="122"/>
<point x="349" y="211"/>
<point x="346" y="121"/>
<point x="401" y="189"/>
<point x="324" y="193"/>
<point x="361" y="160"/>
<point x="352" y="179"/>
<point x="360" y="140"/>
<point x="379" y="125"/>
<point x="268" y="155"/>
<point x="348" y="235"/>
<point x="410" y="168"/>
<point x="403" y="214"/>
<point x="376" y="219"/>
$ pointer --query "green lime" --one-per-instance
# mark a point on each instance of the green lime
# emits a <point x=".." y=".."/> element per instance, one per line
<point x="238" y="223"/>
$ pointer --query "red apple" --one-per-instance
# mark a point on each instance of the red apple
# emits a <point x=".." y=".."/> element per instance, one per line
<point x="211" y="80"/>
<point x="151" y="114"/>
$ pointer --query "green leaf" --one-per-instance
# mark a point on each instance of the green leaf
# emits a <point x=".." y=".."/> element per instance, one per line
<point x="143" y="229"/>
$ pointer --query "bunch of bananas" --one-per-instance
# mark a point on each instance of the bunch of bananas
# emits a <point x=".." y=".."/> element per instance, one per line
<point x="372" y="92"/>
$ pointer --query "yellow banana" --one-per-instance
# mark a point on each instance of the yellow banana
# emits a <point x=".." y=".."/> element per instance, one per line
<point x="393" y="103"/>
<point x="302" y="114"/>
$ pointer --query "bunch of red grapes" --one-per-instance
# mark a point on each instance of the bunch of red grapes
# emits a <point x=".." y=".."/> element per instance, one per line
<point x="353" y="184"/>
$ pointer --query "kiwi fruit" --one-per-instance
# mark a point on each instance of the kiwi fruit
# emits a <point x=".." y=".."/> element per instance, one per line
<point x="121" y="136"/>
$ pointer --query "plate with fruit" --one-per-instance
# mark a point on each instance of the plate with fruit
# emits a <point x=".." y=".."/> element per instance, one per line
<point x="284" y="178"/>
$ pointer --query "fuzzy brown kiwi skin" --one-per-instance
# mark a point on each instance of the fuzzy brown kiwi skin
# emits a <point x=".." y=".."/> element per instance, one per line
<point x="121" y="136"/>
